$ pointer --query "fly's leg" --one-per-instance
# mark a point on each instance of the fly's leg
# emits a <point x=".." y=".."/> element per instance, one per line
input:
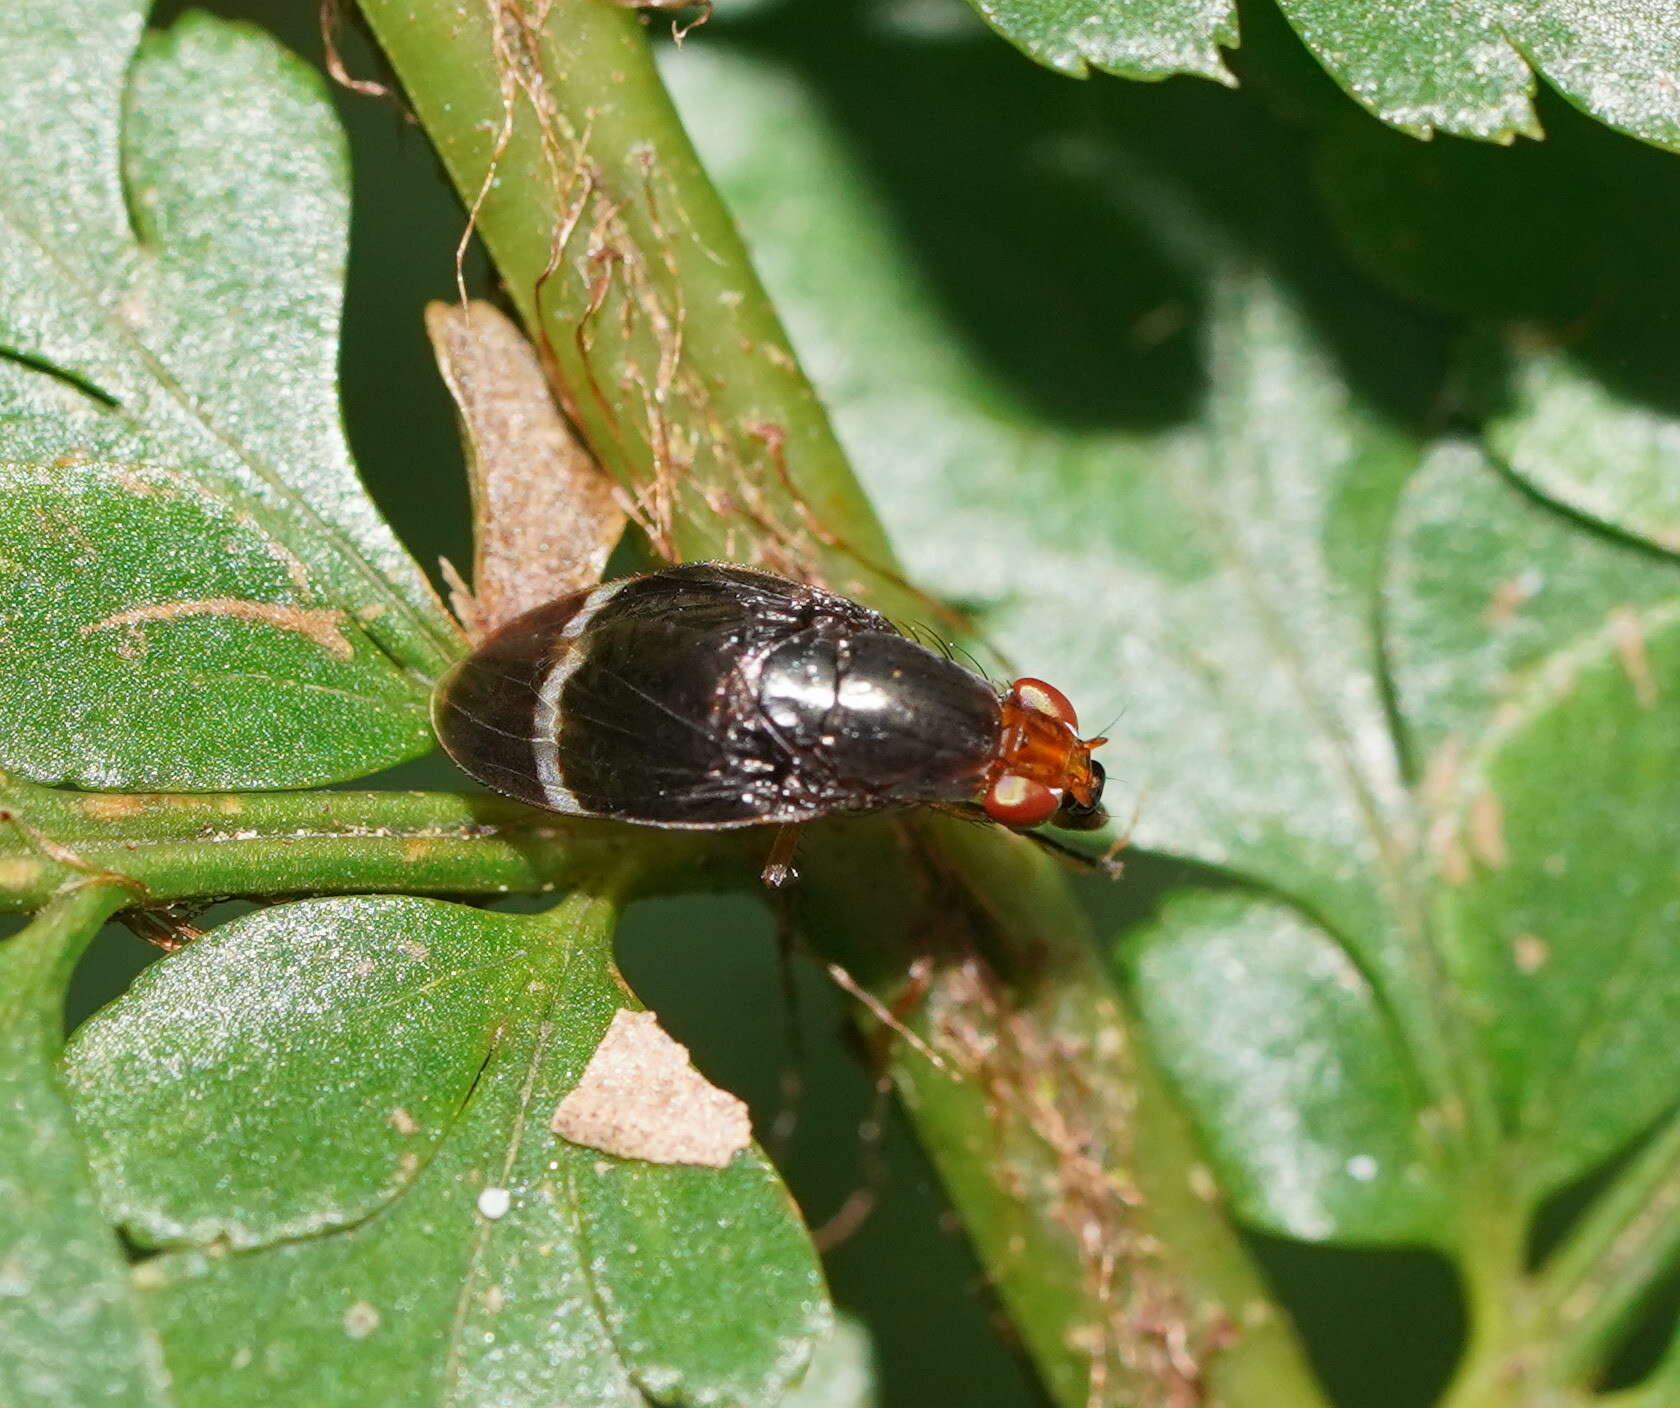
<point x="791" y="1082"/>
<point x="861" y="1202"/>
<point x="778" y="865"/>
<point x="165" y="926"/>
<point x="1108" y="864"/>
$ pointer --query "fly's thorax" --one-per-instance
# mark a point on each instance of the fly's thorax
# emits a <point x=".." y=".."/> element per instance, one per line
<point x="876" y="716"/>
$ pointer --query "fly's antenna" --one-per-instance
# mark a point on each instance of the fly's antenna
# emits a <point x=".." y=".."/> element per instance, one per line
<point x="1107" y="730"/>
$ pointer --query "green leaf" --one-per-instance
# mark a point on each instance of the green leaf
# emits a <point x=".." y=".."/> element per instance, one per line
<point x="1302" y="1085"/>
<point x="1567" y="925"/>
<point x="161" y="643"/>
<point x="1604" y="451"/>
<point x="223" y="605"/>
<point x="72" y="1330"/>
<point x="458" y="1251"/>
<point x="1534" y="661"/>
<point x="1486" y="585"/>
<point x="1575" y="370"/>
<point x="1148" y="39"/>
<point x="1434" y="66"/>
<point x="1465" y="67"/>
<point x="842" y="1372"/>
<point x="1618" y="61"/>
<point x="403" y="996"/>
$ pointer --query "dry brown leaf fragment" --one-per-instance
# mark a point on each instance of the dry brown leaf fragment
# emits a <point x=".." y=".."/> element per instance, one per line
<point x="639" y="1098"/>
<point x="1627" y="634"/>
<point x="545" y="515"/>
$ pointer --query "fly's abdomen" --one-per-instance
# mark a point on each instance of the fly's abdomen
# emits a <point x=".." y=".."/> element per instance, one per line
<point x="491" y="711"/>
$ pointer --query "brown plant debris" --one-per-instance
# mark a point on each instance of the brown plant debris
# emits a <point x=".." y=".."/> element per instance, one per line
<point x="324" y="626"/>
<point x="639" y="1098"/>
<point x="545" y="514"/>
<point x="1529" y="953"/>
<point x="1628" y="636"/>
<point x="1487" y="830"/>
<point x="1145" y="1333"/>
<point x="1509" y="598"/>
<point x="1446" y="844"/>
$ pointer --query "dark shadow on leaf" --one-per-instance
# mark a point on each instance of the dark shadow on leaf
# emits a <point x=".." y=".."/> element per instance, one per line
<point x="1062" y="227"/>
<point x="1384" y="1329"/>
<point x="1645" y="1339"/>
<point x="62" y="375"/>
<point x="1651" y="1333"/>
<point x="1563" y="1210"/>
<point x="1563" y="242"/>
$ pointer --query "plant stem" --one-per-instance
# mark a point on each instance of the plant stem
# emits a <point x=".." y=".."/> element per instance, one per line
<point x="1546" y="1338"/>
<point x="1074" y="1172"/>
<point x="1623" y="1246"/>
<point x="180" y="847"/>
<point x="621" y="259"/>
<point x="72" y="1328"/>
<point x="39" y="960"/>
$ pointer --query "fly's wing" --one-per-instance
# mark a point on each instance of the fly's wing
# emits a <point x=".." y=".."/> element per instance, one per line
<point x="643" y="735"/>
<point x="485" y="710"/>
<point x="628" y="701"/>
<point x="656" y="722"/>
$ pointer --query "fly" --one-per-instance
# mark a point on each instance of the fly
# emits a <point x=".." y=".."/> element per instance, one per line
<point x="711" y="696"/>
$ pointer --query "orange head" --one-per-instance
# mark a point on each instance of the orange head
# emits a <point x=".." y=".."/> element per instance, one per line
<point x="1042" y="770"/>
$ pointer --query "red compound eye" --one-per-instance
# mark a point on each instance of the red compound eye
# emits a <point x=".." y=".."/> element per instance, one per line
<point x="1019" y="801"/>
<point x="1047" y="699"/>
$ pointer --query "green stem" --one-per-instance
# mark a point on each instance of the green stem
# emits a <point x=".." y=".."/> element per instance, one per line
<point x="1497" y="1367"/>
<point x="72" y="1327"/>
<point x="1552" y="1334"/>
<point x="1073" y="1171"/>
<point x="38" y="961"/>
<point x="622" y="259"/>
<point x="186" y="847"/>
<point x="1624" y="1245"/>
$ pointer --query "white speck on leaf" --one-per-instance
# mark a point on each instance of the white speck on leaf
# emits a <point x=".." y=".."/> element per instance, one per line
<point x="360" y="1320"/>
